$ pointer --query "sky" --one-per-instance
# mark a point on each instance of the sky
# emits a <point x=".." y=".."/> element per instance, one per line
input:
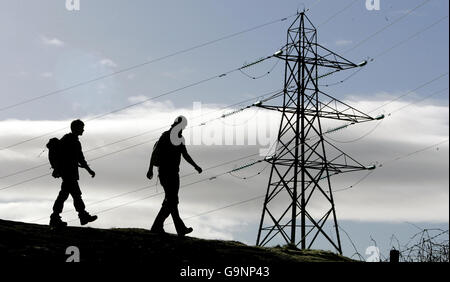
<point x="59" y="65"/>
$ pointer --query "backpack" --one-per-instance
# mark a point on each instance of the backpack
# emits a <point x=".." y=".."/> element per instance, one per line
<point x="54" y="156"/>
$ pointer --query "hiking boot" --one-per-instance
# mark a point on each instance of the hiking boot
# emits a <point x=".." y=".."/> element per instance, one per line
<point x="85" y="218"/>
<point x="56" y="222"/>
<point x="185" y="231"/>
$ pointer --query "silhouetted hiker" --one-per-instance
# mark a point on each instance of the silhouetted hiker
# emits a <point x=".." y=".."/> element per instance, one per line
<point x="166" y="156"/>
<point x="70" y="158"/>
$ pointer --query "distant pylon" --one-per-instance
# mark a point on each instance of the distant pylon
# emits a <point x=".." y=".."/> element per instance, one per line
<point x="299" y="185"/>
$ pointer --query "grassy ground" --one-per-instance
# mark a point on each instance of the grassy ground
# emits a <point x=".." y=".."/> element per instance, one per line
<point x="24" y="242"/>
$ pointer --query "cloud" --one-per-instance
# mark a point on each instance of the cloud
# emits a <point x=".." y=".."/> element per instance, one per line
<point x="411" y="188"/>
<point x="108" y="63"/>
<point x="343" y="42"/>
<point x="47" y="74"/>
<point x="52" y="41"/>
<point x="137" y="99"/>
<point x="20" y="74"/>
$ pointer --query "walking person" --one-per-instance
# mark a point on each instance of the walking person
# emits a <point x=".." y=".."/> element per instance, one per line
<point x="166" y="156"/>
<point x="70" y="157"/>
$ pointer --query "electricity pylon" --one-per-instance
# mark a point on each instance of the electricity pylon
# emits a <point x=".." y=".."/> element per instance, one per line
<point x="299" y="194"/>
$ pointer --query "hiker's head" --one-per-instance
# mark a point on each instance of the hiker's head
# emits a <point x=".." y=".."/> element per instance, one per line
<point x="179" y="124"/>
<point x="176" y="130"/>
<point x="181" y="121"/>
<point x="77" y="127"/>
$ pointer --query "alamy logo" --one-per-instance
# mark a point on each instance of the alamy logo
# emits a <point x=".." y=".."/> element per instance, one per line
<point x="373" y="5"/>
<point x="73" y="5"/>
<point x="74" y="254"/>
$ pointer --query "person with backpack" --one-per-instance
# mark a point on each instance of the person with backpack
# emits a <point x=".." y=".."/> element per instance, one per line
<point x="166" y="156"/>
<point x="66" y="156"/>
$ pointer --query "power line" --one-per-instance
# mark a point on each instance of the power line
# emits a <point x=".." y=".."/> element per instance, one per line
<point x="149" y="186"/>
<point x="102" y="156"/>
<point x="356" y="183"/>
<point x="415" y="152"/>
<point x="410" y="91"/>
<point x="222" y="208"/>
<point x="386" y="27"/>
<point x="157" y="129"/>
<point x="167" y="93"/>
<point x="210" y="42"/>
<point x="250" y="176"/>
<point x="335" y="191"/>
<point x="145" y="63"/>
<point x="114" y="111"/>
<point x="389" y="102"/>
<point x="337" y="13"/>
<point x="393" y="160"/>
<point x="255" y="198"/>
<point x="135" y="104"/>
<point x="114" y="152"/>
<point x="160" y="59"/>
<point x="360" y="137"/>
<point x="24" y="181"/>
<point x="153" y="195"/>
<point x="379" y="123"/>
<point x="418" y="101"/>
<point x="227" y="206"/>
<point x="262" y="75"/>
<point x="132" y="146"/>
<point x="343" y="80"/>
<point x="313" y="5"/>
<point x="384" y="52"/>
<point x="99" y="157"/>
<point x="396" y="110"/>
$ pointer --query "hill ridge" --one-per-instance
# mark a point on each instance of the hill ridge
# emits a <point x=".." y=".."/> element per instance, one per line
<point x="38" y="243"/>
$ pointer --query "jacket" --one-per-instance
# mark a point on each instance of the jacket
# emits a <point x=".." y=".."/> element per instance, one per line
<point x="71" y="157"/>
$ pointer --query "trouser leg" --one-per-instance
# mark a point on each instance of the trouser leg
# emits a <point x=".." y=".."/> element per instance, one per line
<point x="69" y="187"/>
<point x="59" y="202"/>
<point x="171" y="185"/>
<point x="78" y="203"/>
<point x="169" y="208"/>
<point x="179" y="224"/>
<point x="163" y="213"/>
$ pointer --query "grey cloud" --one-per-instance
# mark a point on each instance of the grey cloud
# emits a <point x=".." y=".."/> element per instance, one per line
<point x="415" y="187"/>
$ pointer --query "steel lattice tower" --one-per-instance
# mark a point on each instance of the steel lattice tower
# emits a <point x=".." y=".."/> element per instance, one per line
<point x="299" y="183"/>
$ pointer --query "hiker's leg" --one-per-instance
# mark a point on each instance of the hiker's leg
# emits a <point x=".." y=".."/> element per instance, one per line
<point x="178" y="222"/>
<point x="164" y="212"/>
<point x="75" y="192"/>
<point x="84" y="216"/>
<point x="173" y="201"/>
<point x="62" y="197"/>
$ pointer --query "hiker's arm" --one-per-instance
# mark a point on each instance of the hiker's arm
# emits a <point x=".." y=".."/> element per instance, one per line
<point x="150" y="168"/>
<point x="86" y="166"/>
<point x="82" y="163"/>
<point x="188" y="158"/>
